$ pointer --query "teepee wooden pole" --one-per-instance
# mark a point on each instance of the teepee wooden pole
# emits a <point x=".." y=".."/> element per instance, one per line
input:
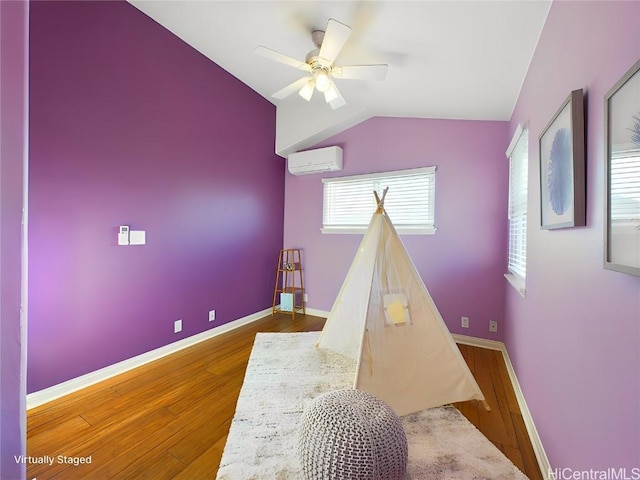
<point x="380" y="201"/>
<point x="369" y="351"/>
<point x="379" y="206"/>
<point x="384" y="194"/>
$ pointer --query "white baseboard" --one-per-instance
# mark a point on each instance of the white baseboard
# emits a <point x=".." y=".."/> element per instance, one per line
<point x="316" y="312"/>
<point x="41" y="397"/>
<point x="536" y="443"/>
<point x="478" y="342"/>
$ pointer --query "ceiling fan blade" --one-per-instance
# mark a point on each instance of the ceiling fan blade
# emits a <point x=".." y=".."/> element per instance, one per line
<point x="291" y="88"/>
<point x="335" y="37"/>
<point x="333" y="96"/>
<point x="361" y="72"/>
<point x="281" y="58"/>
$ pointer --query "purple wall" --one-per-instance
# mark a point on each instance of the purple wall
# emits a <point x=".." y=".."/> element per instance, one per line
<point x="463" y="264"/>
<point x="129" y="125"/>
<point x="13" y="101"/>
<point x="575" y="338"/>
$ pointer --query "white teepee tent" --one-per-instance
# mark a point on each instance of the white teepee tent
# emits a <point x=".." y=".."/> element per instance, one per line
<point x="385" y="319"/>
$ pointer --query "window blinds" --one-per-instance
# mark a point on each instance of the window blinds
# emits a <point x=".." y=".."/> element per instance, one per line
<point x="625" y="187"/>
<point x="518" y="176"/>
<point x="349" y="202"/>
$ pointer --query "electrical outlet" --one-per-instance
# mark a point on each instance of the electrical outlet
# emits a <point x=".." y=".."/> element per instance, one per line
<point x="465" y="322"/>
<point x="177" y="326"/>
<point x="493" y="326"/>
<point x="212" y="315"/>
<point x="305" y="298"/>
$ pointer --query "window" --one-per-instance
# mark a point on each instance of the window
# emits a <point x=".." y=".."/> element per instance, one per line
<point x="625" y="188"/>
<point x="349" y="202"/>
<point x="623" y="229"/>
<point x="518" y="154"/>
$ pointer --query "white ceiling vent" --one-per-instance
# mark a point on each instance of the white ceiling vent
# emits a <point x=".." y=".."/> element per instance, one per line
<point x="328" y="159"/>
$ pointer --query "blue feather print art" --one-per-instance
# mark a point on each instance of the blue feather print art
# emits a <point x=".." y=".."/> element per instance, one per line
<point x="560" y="168"/>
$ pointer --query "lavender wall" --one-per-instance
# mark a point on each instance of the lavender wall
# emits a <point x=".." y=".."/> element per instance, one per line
<point x="463" y="264"/>
<point x="131" y="126"/>
<point x="575" y="338"/>
<point x="13" y="81"/>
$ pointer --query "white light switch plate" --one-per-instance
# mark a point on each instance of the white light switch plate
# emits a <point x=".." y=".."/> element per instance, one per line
<point x="137" y="237"/>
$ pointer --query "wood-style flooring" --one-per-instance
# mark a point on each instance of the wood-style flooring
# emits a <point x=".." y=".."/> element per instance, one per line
<point x="169" y="419"/>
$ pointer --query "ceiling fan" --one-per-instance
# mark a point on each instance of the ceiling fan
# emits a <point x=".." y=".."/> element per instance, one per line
<point x="319" y="63"/>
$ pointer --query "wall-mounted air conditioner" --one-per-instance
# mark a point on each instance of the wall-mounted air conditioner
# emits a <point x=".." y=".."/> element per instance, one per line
<point x="328" y="159"/>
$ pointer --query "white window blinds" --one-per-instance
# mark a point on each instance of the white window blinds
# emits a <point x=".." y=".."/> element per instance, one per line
<point x="348" y="202"/>
<point x="625" y="188"/>
<point x="518" y="176"/>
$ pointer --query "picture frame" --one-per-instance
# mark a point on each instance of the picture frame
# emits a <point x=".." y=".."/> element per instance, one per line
<point x="562" y="166"/>
<point x="622" y="174"/>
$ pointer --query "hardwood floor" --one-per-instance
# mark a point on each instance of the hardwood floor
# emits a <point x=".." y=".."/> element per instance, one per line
<point x="504" y="424"/>
<point x="169" y="419"/>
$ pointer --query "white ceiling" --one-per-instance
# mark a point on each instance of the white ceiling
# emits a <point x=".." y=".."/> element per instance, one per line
<point x="447" y="59"/>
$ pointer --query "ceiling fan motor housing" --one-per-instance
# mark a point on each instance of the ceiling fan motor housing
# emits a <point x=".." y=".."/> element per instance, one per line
<point x="317" y="36"/>
<point x="313" y="57"/>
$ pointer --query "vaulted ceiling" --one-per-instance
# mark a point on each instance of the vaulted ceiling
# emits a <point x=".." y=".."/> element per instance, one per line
<point x="447" y="59"/>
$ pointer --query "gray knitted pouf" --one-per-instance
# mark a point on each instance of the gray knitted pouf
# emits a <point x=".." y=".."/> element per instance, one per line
<point x="349" y="435"/>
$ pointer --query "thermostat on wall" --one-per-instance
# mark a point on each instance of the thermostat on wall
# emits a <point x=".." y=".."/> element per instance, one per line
<point x="123" y="235"/>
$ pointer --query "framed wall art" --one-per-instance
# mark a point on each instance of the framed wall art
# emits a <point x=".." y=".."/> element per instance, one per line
<point x="562" y="166"/>
<point x="622" y="174"/>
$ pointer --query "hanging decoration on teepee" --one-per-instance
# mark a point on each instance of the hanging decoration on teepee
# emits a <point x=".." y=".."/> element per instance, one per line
<point x="385" y="319"/>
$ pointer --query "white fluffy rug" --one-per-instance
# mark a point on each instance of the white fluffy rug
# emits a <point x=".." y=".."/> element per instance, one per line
<point x="286" y="371"/>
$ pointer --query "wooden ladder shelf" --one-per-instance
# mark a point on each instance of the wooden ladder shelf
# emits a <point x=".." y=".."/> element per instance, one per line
<point x="288" y="294"/>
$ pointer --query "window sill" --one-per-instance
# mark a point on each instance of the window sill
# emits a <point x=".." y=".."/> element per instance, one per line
<point x="517" y="283"/>
<point x="361" y="230"/>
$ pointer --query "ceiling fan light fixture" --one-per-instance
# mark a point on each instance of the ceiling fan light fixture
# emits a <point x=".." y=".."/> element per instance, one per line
<point x="306" y="91"/>
<point x="322" y="81"/>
